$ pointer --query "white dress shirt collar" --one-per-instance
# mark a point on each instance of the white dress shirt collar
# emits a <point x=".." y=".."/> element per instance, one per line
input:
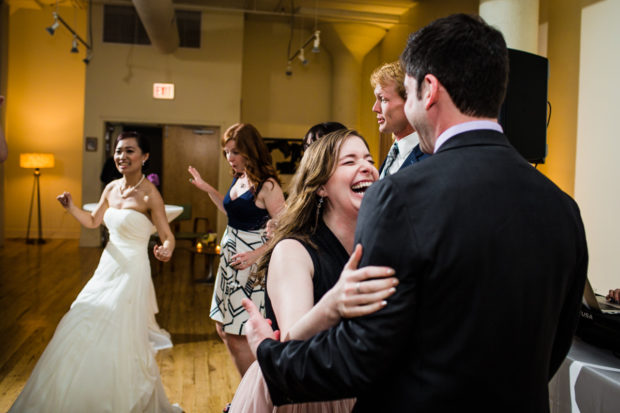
<point x="405" y="146"/>
<point x="466" y="127"/>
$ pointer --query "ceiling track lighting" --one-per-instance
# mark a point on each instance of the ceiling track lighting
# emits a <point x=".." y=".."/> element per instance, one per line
<point x="76" y="37"/>
<point x="315" y="39"/>
<point x="74" y="45"/>
<point x="52" y="29"/>
<point x="302" y="57"/>
<point x="89" y="56"/>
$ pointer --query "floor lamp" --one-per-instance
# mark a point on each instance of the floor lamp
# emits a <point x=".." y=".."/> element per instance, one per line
<point x="36" y="161"/>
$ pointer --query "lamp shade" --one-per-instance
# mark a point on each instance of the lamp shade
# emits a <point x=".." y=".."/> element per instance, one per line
<point x="36" y="160"/>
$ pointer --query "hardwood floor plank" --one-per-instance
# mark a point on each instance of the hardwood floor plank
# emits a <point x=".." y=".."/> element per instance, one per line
<point x="38" y="283"/>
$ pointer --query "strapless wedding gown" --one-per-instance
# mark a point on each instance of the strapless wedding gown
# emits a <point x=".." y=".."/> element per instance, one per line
<point x="102" y="355"/>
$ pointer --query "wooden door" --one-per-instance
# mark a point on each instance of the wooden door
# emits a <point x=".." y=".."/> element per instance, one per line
<point x="200" y="148"/>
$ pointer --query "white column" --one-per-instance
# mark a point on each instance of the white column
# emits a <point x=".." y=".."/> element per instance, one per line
<point x="516" y="19"/>
<point x="348" y="44"/>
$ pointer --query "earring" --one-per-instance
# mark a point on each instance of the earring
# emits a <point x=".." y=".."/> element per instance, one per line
<point x="318" y="211"/>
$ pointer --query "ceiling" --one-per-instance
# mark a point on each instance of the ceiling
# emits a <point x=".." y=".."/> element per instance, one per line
<point x="369" y="11"/>
<point x="381" y="12"/>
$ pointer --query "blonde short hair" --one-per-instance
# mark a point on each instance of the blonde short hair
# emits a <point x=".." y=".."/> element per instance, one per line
<point x="388" y="74"/>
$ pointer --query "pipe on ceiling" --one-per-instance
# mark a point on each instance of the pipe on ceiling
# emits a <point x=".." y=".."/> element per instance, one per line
<point x="159" y="21"/>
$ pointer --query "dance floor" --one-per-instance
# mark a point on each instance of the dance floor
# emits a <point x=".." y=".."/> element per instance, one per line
<point x="38" y="284"/>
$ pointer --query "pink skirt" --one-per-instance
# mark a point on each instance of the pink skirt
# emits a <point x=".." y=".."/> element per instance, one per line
<point x="252" y="396"/>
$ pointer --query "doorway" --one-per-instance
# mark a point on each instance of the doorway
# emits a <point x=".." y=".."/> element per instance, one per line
<point x="199" y="147"/>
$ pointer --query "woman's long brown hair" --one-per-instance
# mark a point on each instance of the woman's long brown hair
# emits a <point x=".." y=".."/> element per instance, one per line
<point x="300" y="219"/>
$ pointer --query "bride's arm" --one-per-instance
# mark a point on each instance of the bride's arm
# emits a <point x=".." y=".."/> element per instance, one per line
<point x="88" y="219"/>
<point x="358" y="291"/>
<point x="156" y="206"/>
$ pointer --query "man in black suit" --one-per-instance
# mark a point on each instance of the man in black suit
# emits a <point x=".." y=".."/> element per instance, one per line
<point x="491" y="257"/>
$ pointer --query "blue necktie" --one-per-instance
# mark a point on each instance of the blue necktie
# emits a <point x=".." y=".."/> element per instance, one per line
<point x="392" y="155"/>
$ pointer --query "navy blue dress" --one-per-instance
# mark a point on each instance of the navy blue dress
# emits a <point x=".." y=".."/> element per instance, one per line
<point x="245" y="232"/>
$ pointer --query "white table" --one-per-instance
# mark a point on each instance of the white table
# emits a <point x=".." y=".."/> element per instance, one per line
<point x="587" y="382"/>
<point x="172" y="211"/>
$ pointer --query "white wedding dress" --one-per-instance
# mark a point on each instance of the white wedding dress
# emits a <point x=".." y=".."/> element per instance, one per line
<point x="102" y="355"/>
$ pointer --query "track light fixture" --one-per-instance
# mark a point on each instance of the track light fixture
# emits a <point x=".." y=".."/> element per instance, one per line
<point x="74" y="45"/>
<point x="317" y="41"/>
<point x="76" y="37"/>
<point x="52" y="29"/>
<point x="302" y="57"/>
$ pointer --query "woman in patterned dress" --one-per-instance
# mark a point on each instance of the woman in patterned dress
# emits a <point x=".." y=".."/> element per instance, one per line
<point x="254" y="197"/>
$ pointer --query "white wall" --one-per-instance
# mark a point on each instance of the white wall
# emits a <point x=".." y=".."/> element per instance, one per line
<point x="597" y="177"/>
<point x="119" y="85"/>
<point x="282" y="106"/>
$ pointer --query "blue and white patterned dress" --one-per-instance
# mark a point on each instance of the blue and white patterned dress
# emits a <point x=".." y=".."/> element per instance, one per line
<point x="245" y="232"/>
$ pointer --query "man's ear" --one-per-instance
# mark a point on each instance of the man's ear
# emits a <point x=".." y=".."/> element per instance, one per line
<point x="430" y="90"/>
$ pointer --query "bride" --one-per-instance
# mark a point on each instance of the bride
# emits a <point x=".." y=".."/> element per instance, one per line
<point x="102" y="355"/>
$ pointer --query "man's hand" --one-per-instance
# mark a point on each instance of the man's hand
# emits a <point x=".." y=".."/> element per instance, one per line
<point x="257" y="328"/>
<point x="614" y="296"/>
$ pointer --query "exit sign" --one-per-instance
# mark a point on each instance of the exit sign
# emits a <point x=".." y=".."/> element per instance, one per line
<point x="163" y="90"/>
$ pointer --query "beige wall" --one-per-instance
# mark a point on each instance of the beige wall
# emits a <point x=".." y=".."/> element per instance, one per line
<point x="282" y="106"/>
<point x="119" y="84"/>
<point x="563" y="27"/>
<point x="238" y="74"/>
<point x="597" y="167"/>
<point x="4" y="30"/>
<point x="44" y="113"/>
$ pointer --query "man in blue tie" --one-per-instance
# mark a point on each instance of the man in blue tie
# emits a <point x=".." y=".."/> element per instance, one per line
<point x="389" y="90"/>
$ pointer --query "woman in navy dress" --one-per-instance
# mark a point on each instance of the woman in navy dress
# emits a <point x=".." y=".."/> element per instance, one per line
<point x="254" y="197"/>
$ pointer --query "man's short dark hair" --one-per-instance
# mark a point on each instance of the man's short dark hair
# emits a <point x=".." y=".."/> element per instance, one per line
<point x="467" y="56"/>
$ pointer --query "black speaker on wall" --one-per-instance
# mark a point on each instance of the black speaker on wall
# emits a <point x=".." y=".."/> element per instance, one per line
<point x="523" y="114"/>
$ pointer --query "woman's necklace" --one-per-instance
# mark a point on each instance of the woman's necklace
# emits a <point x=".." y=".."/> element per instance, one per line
<point x="243" y="184"/>
<point x="125" y="192"/>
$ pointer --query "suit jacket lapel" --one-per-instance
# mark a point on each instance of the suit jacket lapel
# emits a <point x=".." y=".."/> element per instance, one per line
<point x="416" y="155"/>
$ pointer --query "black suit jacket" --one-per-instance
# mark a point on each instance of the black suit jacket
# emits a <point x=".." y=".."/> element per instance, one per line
<point x="491" y="258"/>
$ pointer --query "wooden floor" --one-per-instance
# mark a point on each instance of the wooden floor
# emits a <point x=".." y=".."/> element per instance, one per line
<point x="38" y="284"/>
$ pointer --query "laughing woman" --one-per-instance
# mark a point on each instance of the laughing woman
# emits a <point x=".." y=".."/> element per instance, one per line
<point x="311" y="245"/>
<point x="254" y="197"/>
